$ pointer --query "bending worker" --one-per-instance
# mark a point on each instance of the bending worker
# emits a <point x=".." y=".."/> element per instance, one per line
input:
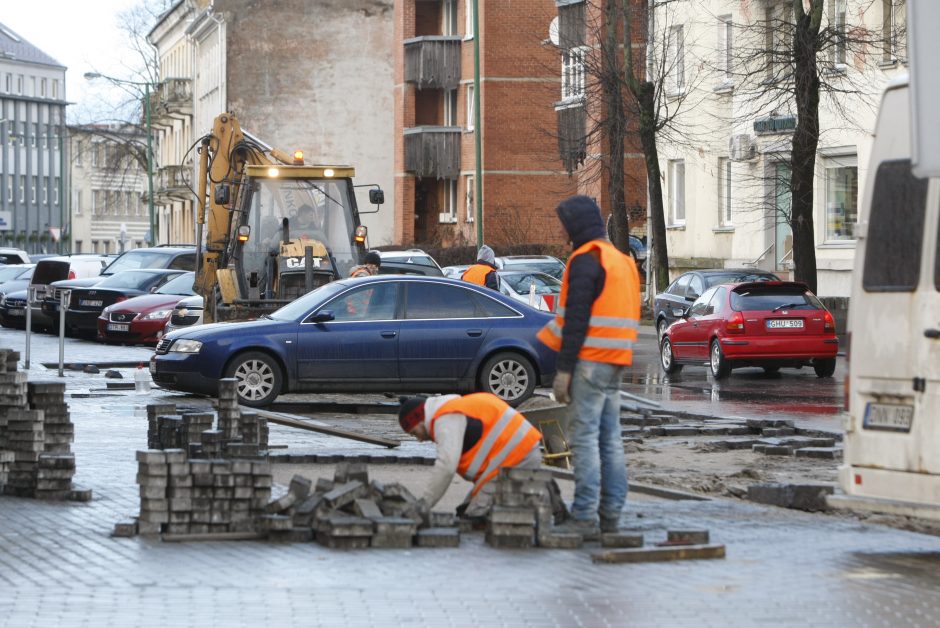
<point x="373" y="262"/>
<point x="483" y="273"/>
<point x="476" y="436"/>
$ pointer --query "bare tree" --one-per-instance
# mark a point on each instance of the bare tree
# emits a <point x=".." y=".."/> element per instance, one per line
<point x="794" y="57"/>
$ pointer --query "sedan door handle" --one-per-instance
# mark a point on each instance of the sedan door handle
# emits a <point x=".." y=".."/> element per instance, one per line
<point x="389" y="334"/>
<point x="474" y="333"/>
<point x="932" y="333"/>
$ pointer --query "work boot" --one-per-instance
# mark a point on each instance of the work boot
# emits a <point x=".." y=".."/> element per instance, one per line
<point x="610" y="525"/>
<point x="587" y="528"/>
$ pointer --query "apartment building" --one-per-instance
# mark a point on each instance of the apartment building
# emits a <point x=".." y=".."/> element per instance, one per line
<point x="727" y="178"/>
<point x="523" y="176"/>
<point x="33" y="178"/>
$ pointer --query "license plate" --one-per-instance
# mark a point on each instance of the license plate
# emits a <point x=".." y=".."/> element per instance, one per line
<point x="91" y="302"/>
<point x="888" y="416"/>
<point x="17" y="311"/>
<point x="153" y="366"/>
<point x="119" y="326"/>
<point x="785" y="323"/>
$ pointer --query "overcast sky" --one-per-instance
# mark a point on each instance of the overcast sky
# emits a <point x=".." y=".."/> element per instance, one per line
<point x="82" y="35"/>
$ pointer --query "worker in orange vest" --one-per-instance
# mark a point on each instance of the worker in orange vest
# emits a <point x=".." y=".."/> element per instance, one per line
<point x="370" y="267"/>
<point x="483" y="273"/>
<point x="476" y="436"/>
<point x="594" y="330"/>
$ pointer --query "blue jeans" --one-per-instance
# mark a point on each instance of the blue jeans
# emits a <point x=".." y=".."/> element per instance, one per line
<point x="600" y="470"/>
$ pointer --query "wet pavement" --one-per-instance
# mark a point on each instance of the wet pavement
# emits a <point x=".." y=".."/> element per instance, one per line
<point x="59" y="566"/>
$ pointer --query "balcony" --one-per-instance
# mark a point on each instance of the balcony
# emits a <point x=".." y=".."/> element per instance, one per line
<point x="171" y="184"/>
<point x="433" y="62"/>
<point x="171" y="100"/>
<point x="433" y="151"/>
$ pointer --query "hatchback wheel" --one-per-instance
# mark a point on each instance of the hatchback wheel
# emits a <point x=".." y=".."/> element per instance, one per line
<point x="824" y="367"/>
<point x="258" y="378"/>
<point x="666" y="359"/>
<point x="661" y="328"/>
<point x="509" y="376"/>
<point x="717" y="363"/>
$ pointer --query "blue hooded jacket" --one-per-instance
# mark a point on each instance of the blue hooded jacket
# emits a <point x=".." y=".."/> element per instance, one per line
<point x="581" y="218"/>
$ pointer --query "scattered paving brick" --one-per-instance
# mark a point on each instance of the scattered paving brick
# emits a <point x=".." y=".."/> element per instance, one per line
<point x="824" y="453"/>
<point x="811" y="497"/>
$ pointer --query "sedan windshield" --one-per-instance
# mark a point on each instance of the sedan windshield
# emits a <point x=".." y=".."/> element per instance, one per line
<point x="762" y="300"/>
<point x="549" y="268"/>
<point x="134" y="281"/>
<point x="522" y="283"/>
<point x="180" y="285"/>
<point x="300" y="307"/>
<point x="138" y="259"/>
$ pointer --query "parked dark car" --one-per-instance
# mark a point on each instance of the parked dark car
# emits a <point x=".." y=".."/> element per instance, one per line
<point x="409" y="262"/>
<point x="14" y="278"/>
<point x="770" y="324"/>
<point x="13" y="310"/>
<point x="377" y="334"/>
<point x="180" y="257"/>
<point x="691" y="285"/>
<point x="142" y="319"/>
<point x="86" y="304"/>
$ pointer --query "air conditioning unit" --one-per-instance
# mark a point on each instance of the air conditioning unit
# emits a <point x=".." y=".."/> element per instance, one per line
<point x="743" y="148"/>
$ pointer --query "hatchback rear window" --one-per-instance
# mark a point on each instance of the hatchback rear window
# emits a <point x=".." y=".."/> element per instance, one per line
<point x="755" y="300"/>
<point x="716" y="280"/>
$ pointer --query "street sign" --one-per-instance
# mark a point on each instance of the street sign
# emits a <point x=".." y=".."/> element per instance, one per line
<point x="922" y="25"/>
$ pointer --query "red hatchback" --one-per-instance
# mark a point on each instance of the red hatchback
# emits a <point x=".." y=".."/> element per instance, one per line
<point x="141" y="319"/>
<point x="770" y="324"/>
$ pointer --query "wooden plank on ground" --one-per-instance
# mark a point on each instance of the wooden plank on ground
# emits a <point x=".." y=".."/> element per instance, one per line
<point x="303" y="423"/>
<point x="660" y="554"/>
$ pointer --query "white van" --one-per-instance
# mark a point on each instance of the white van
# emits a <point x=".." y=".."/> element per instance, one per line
<point x="892" y="439"/>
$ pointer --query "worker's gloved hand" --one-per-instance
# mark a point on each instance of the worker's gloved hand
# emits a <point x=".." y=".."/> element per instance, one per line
<point x="561" y="387"/>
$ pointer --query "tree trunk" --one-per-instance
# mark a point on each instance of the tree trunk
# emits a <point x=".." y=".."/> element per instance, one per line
<point x="615" y="123"/>
<point x="646" y="121"/>
<point x="805" y="142"/>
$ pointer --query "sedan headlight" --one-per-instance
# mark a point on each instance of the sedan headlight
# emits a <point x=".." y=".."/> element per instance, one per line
<point x="157" y="315"/>
<point x="184" y="345"/>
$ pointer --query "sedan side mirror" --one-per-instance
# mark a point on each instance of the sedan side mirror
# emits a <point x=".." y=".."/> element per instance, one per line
<point x="323" y="316"/>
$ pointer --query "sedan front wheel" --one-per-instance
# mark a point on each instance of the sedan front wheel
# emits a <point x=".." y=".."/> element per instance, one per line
<point x="509" y="376"/>
<point x="258" y="378"/>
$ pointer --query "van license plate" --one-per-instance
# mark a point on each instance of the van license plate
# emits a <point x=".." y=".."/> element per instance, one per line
<point x="785" y="323"/>
<point x="888" y="416"/>
<point x="119" y="326"/>
<point x="91" y="302"/>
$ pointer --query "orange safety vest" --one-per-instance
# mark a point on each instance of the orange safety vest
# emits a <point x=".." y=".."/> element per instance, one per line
<point x="477" y="274"/>
<point x="506" y="439"/>
<point x="615" y="313"/>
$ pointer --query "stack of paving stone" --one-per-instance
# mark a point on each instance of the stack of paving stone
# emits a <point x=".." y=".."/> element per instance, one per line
<point x="236" y="434"/>
<point x="349" y="512"/>
<point x="58" y="431"/>
<point x="54" y="476"/>
<point x="6" y="459"/>
<point x="182" y="496"/>
<point x="24" y="437"/>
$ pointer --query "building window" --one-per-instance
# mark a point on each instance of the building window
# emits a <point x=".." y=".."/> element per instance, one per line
<point x="449" y="18"/>
<point x="9" y="88"/>
<point x="676" y="60"/>
<point x="778" y="35"/>
<point x="55" y="192"/>
<point x="78" y="203"/>
<point x="34" y="128"/>
<point x="725" y="51"/>
<point x="471" y="102"/>
<point x="42" y="87"/>
<point x="468" y="27"/>
<point x="77" y="248"/>
<point x="724" y="192"/>
<point x="450" y="107"/>
<point x="79" y="149"/>
<point x="450" y="202"/>
<point x="94" y="205"/>
<point x="894" y="31"/>
<point x="94" y="155"/>
<point x="32" y="189"/>
<point x="55" y="88"/>
<point x="45" y="191"/>
<point x="22" y="188"/>
<point x="837" y="19"/>
<point x="841" y="197"/>
<point x="19" y="83"/>
<point x="469" y="192"/>
<point x="572" y="73"/>
<point x="676" y="173"/>
<point x="94" y="246"/>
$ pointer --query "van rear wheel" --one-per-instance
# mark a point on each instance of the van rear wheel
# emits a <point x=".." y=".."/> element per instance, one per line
<point x="824" y="367"/>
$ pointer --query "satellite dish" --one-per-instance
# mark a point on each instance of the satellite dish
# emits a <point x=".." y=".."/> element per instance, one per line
<point x="553" y="31"/>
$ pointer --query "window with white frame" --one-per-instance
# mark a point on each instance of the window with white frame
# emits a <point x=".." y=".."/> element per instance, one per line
<point x="78" y="203"/>
<point x="450" y="202"/>
<point x="449" y="18"/>
<point x="778" y="33"/>
<point x="676" y="173"/>
<point x="469" y="182"/>
<point x="724" y="60"/>
<point x="676" y="60"/>
<point x="894" y="31"/>
<point x="726" y="218"/>
<point x="837" y="10"/>
<point x="471" y="104"/>
<point x="450" y="107"/>
<point x="841" y="183"/>
<point x="573" y="73"/>
<point x="468" y="26"/>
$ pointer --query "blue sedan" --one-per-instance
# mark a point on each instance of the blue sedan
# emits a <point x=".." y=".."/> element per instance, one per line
<point x="378" y="334"/>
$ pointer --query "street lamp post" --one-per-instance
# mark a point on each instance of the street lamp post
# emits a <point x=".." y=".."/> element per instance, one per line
<point x="94" y="75"/>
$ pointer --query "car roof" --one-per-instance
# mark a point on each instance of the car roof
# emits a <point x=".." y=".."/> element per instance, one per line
<point x="532" y="257"/>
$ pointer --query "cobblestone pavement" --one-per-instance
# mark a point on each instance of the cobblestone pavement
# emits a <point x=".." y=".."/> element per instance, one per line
<point x="59" y="566"/>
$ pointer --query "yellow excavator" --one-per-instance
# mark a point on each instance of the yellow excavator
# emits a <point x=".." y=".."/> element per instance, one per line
<point x="274" y="227"/>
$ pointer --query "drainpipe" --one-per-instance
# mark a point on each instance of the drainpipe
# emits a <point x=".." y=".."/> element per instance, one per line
<point x="477" y="127"/>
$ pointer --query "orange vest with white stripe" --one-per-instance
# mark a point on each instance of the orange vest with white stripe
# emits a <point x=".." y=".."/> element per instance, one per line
<point x="615" y="313"/>
<point x="505" y="441"/>
<point x="477" y="274"/>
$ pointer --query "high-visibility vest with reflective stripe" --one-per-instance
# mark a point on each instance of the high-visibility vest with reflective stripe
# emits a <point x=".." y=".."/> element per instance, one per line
<point x="506" y="438"/>
<point x="477" y="274"/>
<point x="615" y="313"/>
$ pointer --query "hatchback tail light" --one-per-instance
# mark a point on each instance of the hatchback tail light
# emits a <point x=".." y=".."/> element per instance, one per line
<point x="71" y="274"/>
<point x="828" y="322"/>
<point x="735" y="324"/>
